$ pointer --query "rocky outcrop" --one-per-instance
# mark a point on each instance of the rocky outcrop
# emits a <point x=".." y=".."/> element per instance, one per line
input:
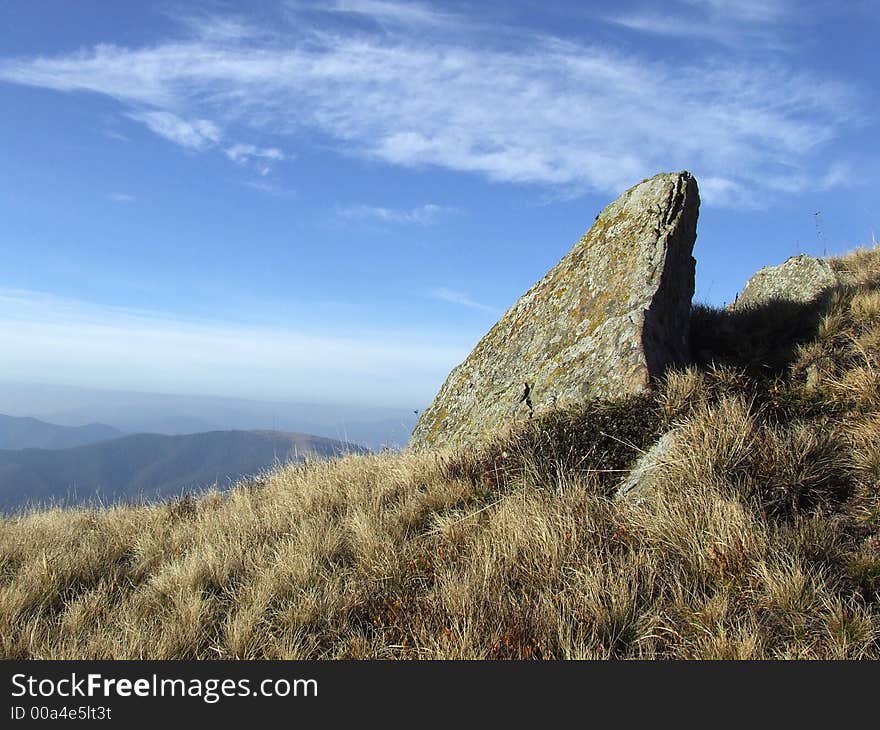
<point x="610" y="316"/>
<point x="801" y="279"/>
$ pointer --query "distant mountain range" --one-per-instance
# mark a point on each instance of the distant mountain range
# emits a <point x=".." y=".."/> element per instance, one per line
<point x="133" y="412"/>
<point x="29" y="433"/>
<point x="142" y="466"/>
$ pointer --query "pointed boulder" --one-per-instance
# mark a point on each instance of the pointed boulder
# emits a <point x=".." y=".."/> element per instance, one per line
<point x="610" y="316"/>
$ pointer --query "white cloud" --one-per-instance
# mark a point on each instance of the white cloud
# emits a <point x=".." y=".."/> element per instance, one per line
<point x="118" y="136"/>
<point x="242" y="152"/>
<point x="122" y="198"/>
<point x="258" y="157"/>
<point x="269" y="188"/>
<point x="423" y="215"/>
<point x="460" y="298"/>
<point x="116" y="348"/>
<point x="838" y="175"/>
<point x="726" y="193"/>
<point x="747" y="24"/>
<point x="408" y="13"/>
<point x="666" y="25"/>
<point x="197" y="134"/>
<point x="573" y="116"/>
<point x="219" y="28"/>
<point x="755" y="11"/>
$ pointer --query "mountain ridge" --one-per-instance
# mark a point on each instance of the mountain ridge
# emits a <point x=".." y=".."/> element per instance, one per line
<point x="146" y="467"/>
<point x="25" y="432"/>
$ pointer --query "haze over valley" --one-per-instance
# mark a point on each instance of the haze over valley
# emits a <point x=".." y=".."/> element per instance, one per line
<point x="374" y="427"/>
<point x="149" y="467"/>
<point x="90" y="445"/>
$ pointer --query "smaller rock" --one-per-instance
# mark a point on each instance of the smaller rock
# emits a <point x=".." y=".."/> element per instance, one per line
<point x="643" y="476"/>
<point x="801" y="279"/>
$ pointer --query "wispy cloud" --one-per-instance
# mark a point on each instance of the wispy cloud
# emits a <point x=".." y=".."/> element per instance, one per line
<point x="197" y="134"/>
<point x="220" y="29"/>
<point x="531" y="109"/>
<point x="750" y="22"/>
<point x="259" y="157"/>
<point x="122" y="198"/>
<point x="118" y="136"/>
<point x="460" y="298"/>
<point x="423" y="215"/>
<point x="381" y="11"/>
<point x="755" y="11"/>
<point x="270" y="188"/>
<point x="112" y="347"/>
<point x="656" y="23"/>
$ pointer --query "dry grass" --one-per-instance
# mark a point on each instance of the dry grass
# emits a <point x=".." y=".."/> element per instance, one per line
<point x="762" y="538"/>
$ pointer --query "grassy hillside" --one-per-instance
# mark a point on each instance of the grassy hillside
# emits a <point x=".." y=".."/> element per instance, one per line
<point x="149" y="466"/>
<point x="761" y="537"/>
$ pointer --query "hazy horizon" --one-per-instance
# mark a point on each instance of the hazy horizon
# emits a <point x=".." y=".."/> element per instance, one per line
<point x="180" y="414"/>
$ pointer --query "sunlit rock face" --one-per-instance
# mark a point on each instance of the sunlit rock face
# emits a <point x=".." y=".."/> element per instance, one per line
<point x="610" y="316"/>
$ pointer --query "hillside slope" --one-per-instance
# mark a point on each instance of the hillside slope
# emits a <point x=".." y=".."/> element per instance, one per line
<point x="29" y="433"/>
<point x="760" y="537"/>
<point x="149" y="466"/>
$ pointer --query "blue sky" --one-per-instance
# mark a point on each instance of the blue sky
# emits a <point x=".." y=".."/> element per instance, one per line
<point x="334" y="201"/>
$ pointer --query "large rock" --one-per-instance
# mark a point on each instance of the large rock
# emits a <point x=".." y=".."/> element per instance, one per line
<point x="613" y="314"/>
<point x="801" y="279"/>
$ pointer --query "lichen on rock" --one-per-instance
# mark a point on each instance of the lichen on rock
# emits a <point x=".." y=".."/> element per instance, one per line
<point x="610" y="316"/>
<point x="800" y="279"/>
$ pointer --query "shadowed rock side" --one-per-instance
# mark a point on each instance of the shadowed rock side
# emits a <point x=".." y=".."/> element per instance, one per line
<point x="611" y="315"/>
